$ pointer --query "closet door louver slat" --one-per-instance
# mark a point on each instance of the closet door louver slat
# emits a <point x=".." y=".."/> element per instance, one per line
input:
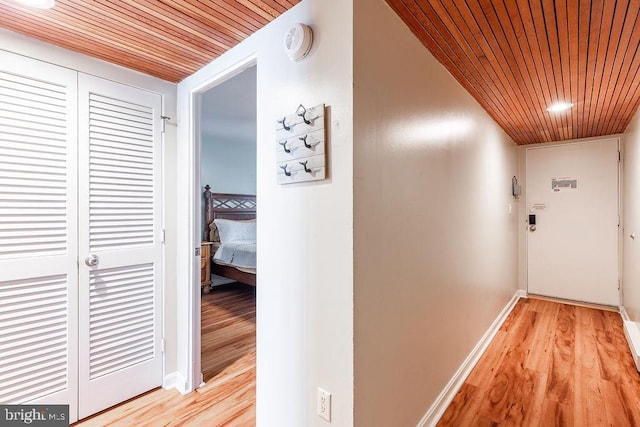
<point x="23" y="130"/>
<point x="120" y="194"/>
<point x="120" y="352"/>
<point x="22" y="342"/>
<point x="38" y="233"/>
<point x="120" y="206"/>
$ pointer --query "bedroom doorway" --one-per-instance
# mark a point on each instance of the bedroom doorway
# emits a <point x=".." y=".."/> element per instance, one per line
<point x="228" y="134"/>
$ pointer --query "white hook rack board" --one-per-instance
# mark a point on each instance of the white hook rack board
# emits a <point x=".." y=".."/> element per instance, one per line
<point x="300" y="149"/>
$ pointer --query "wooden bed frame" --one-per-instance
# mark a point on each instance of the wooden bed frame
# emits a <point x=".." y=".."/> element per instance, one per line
<point x="228" y="206"/>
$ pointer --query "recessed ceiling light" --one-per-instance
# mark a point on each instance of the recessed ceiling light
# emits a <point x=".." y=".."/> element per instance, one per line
<point x="40" y="4"/>
<point x="559" y="106"/>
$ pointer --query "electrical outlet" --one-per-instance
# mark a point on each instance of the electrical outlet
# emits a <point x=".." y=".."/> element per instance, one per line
<point x="324" y="404"/>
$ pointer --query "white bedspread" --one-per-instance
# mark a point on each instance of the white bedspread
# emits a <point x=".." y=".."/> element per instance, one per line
<point x="237" y="254"/>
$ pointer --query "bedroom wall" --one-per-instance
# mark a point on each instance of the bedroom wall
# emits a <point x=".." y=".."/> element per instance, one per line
<point x="33" y="48"/>
<point x="435" y="248"/>
<point x="228" y="135"/>
<point x="305" y="252"/>
<point x="228" y="166"/>
<point x="631" y="219"/>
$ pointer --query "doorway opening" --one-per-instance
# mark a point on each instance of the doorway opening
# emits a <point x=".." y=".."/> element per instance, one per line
<point x="228" y="134"/>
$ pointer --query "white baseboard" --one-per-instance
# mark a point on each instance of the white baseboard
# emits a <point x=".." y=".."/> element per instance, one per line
<point x="175" y="381"/>
<point x="170" y="381"/>
<point x="632" y="333"/>
<point x="624" y="314"/>
<point x="441" y="403"/>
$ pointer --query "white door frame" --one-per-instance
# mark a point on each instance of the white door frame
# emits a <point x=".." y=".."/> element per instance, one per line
<point x="189" y="375"/>
<point x="620" y="195"/>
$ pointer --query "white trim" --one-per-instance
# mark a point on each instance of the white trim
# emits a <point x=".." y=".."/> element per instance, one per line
<point x="188" y="270"/>
<point x="175" y="381"/>
<point x="441" y="403"/>
<point x="170" y="381"/>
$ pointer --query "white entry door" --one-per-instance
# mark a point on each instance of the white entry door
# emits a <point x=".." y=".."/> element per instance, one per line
<point x="38" y="237"/>
<point x="572" y="195"/>
<point x="120" y="238"/>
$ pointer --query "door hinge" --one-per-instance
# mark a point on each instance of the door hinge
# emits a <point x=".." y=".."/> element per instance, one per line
<point x="619" y="156"/>
<point x="163" y="345"/>
<point x="164" y="122"/>
<point x="164" y="235"/>
<point x="197" y="251"/>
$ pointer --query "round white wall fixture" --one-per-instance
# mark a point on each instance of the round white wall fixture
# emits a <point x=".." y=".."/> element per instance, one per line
<point x="297" y="41"/>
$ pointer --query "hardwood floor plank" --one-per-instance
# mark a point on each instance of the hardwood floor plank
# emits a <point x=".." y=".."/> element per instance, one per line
<point x="533" y="413"/>
<point x="552" y="364"/>
<point x="621" y="405"/>
<point x="509" y="323"/>
<point x="556" y="414"/>
<point x="228" y="366"/>
<point x="460" y="406"/>
<point x="587" y="373"/>
<point x="506" y="388"/>
<point x="541" y="348"/>
<point x="524" y="386"/>
<point x="561" y="370"/>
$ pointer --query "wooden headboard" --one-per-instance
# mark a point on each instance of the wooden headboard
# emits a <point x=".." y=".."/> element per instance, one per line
<point x="227" y="206"/>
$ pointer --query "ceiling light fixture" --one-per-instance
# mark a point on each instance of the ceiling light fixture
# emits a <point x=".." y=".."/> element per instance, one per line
<point x="39" y="4"/>
<point x="559" y="106"/>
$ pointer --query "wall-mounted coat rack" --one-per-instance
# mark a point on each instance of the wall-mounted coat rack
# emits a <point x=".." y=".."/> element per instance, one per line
<point x="300" y="145"/>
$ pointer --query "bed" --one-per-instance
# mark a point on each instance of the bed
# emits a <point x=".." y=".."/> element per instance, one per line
<point x="230" y="227"/>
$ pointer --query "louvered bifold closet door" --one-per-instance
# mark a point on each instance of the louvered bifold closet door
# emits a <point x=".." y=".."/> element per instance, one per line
<point x="120" y="243"/>
<point x="38" y="233"/>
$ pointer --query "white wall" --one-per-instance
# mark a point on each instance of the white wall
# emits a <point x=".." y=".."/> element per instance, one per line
<point x="631" y="219"/>
<point x="435" y="248"/>
<point x="36" y="49"/>
<point x="305" y="253"/>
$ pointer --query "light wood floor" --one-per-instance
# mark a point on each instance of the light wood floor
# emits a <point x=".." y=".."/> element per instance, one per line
<point x="228" y="365"/>
<point x="552" y="364"/>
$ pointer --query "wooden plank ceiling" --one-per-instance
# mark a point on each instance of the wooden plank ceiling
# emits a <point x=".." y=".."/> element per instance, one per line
<point x="517" y="57"/>
<point x="169" y="39"/>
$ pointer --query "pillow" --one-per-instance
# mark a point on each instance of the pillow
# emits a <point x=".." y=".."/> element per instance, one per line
<point x="234" y="231"/>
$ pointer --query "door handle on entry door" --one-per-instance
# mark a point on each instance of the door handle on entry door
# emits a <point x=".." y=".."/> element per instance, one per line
<point x="92" y="260"/>
<point x="532" y="223"/>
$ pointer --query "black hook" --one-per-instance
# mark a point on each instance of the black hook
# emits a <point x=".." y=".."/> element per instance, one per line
<point x="284" y="145"/>
<point x="304" y="111"/>
<point x="304" y="139"/>
<point x="284" y="168"/>
<point x="304" y="165"/>
<point x="284" y="126"/>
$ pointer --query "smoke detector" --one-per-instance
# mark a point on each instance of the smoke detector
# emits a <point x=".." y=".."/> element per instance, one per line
<point x="297" y="41"/>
